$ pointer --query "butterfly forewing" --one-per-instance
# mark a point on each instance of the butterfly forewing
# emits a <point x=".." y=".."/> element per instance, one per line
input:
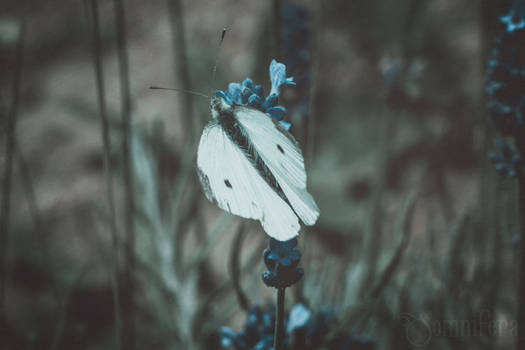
<point x="282" y="155"/>
<point x="230" y="180"/>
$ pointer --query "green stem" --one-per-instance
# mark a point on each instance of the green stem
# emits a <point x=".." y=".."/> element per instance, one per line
<point x="278" y="337"/>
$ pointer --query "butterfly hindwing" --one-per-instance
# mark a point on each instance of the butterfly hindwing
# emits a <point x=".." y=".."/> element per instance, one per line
<point x="282" y="155"/>
<point x="230" y="180"/>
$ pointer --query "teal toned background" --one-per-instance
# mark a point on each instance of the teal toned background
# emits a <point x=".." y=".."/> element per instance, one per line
<point x="416" y="227"/>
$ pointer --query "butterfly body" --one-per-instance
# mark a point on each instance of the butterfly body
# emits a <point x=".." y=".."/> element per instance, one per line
<point x="250" y="166"/>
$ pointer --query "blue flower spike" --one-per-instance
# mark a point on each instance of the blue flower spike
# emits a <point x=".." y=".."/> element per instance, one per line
<point x="506" y="75"/>
<point x="251" y="95"/>
<point x="506" y="160"/>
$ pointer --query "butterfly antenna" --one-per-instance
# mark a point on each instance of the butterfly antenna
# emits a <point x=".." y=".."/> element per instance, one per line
<point x="180" y="90"/>
<point x="214" y="72"/>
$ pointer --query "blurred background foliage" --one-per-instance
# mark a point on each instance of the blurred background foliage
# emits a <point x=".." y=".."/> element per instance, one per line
<point x="416" y="230"/>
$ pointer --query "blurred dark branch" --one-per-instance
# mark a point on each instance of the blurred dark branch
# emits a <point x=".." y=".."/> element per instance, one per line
<point x="365" y="309"/>
<point x="411" y="18"/>
<point x="223" y="289"/>
<point x="404" y="232"/>
<point x="40" y="228"/>
<point x="311" y="125"/>
<point x="453" y="275"/>
<point x="372" y="236"/>
<point x="235" y="252"/>
<point x="64" y="308"/>
<point x="216" y="61"/>
<point x="435" y="169"/>
<point x="10" y="132"/>
<point x="184" y="202"/>
<point x="519" y="137"/>
<point x="96" y="50"/>
<point x="201" y="254"/>
<point x="129" y="227"/>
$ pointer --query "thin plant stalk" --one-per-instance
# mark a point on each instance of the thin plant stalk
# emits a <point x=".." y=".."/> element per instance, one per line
<point x="371" y="241"/>
<point x="9" y="152"/>
<point x="235" y="268"/>
<point x="276" y="8"/>
<point x="175" y="11"/>
<point x="521" y="288"/>
<point x="314" y="85"/>
<point x="129" y="227"/>
<point x="108" y="171"/>
<point x="278" y="337"/>
<point x="34" y="210"/>
<point x="519" y="138"/>
<point x="176" y="16"/>
<point x="62" y="321"/>
<point x="310" y="127"/>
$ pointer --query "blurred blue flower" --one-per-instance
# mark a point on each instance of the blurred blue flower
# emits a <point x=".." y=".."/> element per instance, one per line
<point x="257" y="333"/>
<point x="506" y="160"/>
<point x="515" y="19"/>
<point x="249" y="94"/>
<point x="299" y="317"/>
<point x="305" y="330"/>
<point x="228" y="337"/>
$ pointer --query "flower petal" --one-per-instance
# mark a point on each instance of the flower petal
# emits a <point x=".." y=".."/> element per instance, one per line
<point x="278" y="77"/>
<point x="234" y="92"/>
<point x="224" y="96"/>
<point x="276" y="113"/>
<point x="259" y="91"/>
<point x="255" y="101"/>
<point x="271" y="101"/>
<point x="248" y="83"/>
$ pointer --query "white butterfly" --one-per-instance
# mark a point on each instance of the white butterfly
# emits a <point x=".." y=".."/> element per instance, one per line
<point x="250" y="166"/>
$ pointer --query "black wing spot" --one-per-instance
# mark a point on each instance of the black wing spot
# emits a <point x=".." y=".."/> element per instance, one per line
<point x="280" y="149"/>
<point x="227" y="183"/>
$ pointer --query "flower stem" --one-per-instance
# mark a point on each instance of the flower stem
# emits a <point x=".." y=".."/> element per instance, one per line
<point x="278" y="336"/>
<point x="519" y="138"/>
<point x="521" y="288"/>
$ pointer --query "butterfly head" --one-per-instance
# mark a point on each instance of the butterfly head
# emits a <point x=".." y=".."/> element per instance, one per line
<point x="217" y="106"/>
